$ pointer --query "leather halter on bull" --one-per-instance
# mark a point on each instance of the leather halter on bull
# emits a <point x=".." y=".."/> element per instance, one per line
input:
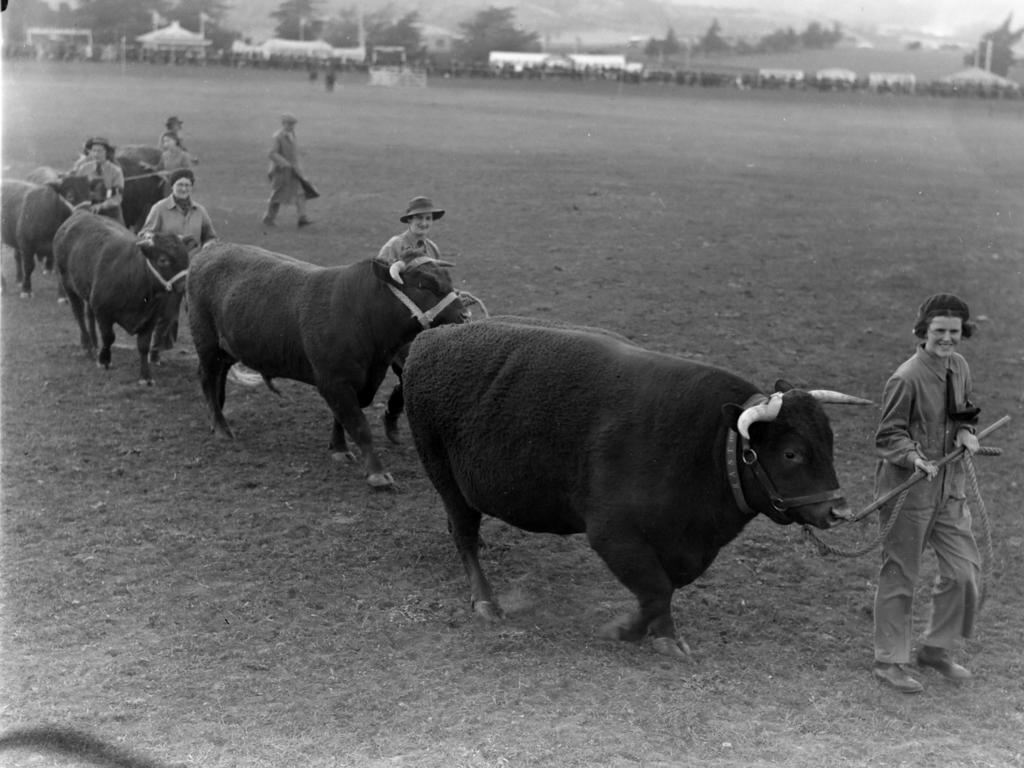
<point x="761" y="408"/>
<point x="168" y="285"/>
<point x="426" y="319"/>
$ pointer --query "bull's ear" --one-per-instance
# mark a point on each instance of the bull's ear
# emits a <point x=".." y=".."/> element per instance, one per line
<point x="731" y="413"/>
<point x="781" y="385"/>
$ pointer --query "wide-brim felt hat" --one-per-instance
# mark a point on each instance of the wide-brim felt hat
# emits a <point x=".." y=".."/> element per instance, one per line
<point x="173" y="120"/>
<point x="420" y="205"/>
<point x="288" y="117"/>
<point x="92" y="141"/>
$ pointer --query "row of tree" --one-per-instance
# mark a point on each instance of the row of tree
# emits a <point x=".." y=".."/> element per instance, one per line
<point x="488" y="30"/>
<point x="110" y="20"/>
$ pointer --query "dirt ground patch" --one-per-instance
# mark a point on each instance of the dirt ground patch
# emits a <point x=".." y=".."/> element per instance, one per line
<point x="256" y="604"/>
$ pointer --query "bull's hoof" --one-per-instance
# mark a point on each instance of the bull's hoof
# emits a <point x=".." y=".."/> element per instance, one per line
<point x="145" y="382"/>
<point x="222" y="433"/>
<point x="487" y="610"/>
<point x="346" y="456"/>
<point x="671" y="647"/>
<point x="380" y="480"/>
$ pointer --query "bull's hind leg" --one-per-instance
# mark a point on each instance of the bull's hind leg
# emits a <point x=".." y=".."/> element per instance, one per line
<point x="214" y="365"/>
<point x="635" y="563"/>
<point x="78" y="310"/>
<point x="464" y="525"/>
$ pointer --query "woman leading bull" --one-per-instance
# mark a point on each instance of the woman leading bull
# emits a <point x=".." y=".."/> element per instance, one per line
<point x="177" y="214"/>
<point x="97" y="164"/>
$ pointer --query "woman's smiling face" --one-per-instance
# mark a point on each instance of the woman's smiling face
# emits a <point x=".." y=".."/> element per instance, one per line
<point x="419" y="224"/>
<point x="943" y="334"/>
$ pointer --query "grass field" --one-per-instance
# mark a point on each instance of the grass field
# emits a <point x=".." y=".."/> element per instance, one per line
<point x="256" y="604"/>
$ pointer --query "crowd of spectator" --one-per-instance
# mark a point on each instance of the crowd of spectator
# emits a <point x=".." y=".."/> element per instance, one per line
<point x="710" y="77"/>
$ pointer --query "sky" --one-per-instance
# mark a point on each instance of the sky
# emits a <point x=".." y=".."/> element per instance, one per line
<point x="938" y="17"/>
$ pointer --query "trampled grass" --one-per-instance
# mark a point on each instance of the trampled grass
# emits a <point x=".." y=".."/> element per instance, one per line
<point x="255" y="604"/>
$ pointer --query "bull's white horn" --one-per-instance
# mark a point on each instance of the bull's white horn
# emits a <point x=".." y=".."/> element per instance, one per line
<point x="766" y="411"/>
<point x="396" y="272"/>
<point x="837" y="398"/>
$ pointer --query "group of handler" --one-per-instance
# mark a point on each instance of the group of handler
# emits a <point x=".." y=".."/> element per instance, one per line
<point x="926" y="414"/>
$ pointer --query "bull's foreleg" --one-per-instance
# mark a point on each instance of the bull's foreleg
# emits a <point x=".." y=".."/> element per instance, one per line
<point x="143" y="342"/>
<point x="348" y="416"/>
<point x="106" y="338"/>
<point x="636" y="565"/>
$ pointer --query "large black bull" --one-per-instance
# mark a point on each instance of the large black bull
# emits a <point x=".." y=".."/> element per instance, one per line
<point x="112" y="277"/>
<point x="336" y="328"/>
<point x="660" y="461"/>
<point x="30" y="214"/>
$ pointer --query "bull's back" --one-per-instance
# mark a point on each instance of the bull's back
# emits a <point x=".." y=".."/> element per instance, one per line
<point x="534" y="423"/>
<point x="253" y="303"/>
<point x="42" y="213"/>
<point x="91" y="250"/>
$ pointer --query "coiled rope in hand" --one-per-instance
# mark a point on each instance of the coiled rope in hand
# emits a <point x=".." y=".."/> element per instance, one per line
<point x="900" y="493"/>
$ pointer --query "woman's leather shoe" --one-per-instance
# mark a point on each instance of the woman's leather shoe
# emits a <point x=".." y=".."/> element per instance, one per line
<point x="896" y="676"/>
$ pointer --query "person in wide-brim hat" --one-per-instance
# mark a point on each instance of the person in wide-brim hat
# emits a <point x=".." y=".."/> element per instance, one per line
<point x="94" y="140"/>
<point x="419" y="206"/>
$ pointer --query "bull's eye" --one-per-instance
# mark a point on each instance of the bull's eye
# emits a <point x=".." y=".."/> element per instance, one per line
<point x="791" y="455"/>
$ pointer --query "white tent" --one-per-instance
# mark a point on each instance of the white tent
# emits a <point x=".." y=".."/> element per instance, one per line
<point x="597" y="61"/>
<point x="173" y="38"/>
<point x="980" y="77"/>
<point x="837" y="75"/>
<point x="278" y="46"/>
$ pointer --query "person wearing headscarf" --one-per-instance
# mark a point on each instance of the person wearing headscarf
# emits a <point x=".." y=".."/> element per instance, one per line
<point x="927" y="414"/>
<point x="179" y="214"/>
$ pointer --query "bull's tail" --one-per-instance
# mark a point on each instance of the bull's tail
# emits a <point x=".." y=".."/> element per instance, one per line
<point x="68" y="742"/>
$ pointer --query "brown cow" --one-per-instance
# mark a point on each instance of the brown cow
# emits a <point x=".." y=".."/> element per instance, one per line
<point x="112" y="277"/>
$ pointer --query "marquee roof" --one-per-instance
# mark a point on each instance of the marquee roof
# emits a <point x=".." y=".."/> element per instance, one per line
<point x="173" y="36"/>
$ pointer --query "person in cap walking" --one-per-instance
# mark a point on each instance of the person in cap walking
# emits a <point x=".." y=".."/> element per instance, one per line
<point x="420" y="214"/>
<point x="285" y="174"/>
<point x="105" y="176"/>
<point x="926" y="414"/>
